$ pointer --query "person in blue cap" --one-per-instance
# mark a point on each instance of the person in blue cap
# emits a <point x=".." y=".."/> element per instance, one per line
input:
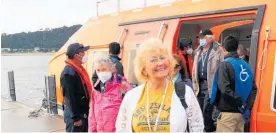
<point x="234" y="90"/>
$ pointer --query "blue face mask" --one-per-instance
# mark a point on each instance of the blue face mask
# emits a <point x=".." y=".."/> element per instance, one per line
<point x="202" y="42"/>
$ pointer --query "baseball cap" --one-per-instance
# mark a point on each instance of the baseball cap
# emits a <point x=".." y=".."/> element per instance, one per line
<point x="75" y="48"/>
<point x="185" y="43"/>
<point x="205" y="32"/>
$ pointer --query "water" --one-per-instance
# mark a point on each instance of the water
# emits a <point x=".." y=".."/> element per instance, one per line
<point x="29" y="73"/>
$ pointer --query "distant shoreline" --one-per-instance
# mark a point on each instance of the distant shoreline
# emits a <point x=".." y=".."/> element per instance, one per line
<point x="22" y="54"/>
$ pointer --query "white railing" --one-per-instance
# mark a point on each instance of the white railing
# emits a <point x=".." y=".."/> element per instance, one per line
<point x="108" y="6"/>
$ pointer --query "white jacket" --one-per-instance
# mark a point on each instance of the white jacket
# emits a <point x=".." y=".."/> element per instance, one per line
<point x="178" y="115"/>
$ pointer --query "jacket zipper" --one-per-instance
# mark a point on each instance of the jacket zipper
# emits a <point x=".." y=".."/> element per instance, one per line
<point x="85" y="91"/>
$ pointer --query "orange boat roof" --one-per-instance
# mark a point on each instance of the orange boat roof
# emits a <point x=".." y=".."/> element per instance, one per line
<point x="104" y="29"/>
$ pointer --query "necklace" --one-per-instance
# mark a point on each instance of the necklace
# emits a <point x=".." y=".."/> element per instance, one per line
<point x="160" y="108"/>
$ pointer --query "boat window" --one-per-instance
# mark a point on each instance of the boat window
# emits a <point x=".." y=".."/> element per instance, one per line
<point x="274" y="101"/>
<point x="130" y="70"/>
<point x="273" y="89"/>
<point x="141" y="32"/>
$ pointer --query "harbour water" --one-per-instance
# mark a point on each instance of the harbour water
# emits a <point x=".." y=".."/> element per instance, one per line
<point x="29" y="72"/>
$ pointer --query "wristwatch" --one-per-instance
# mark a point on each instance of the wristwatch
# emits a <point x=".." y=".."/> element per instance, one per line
<point x="242" y="108"/>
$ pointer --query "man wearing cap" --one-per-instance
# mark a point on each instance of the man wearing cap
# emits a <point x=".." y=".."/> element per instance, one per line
<point x="76" y="88"/>
<point x="186" y="51"/>
<point x="207" y="57"/>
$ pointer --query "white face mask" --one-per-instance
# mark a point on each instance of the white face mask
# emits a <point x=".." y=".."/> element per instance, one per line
<point x="242" y="56"/>
<point x="104" y="76"/>
<point x="84" y="59"/>
<point x="190" y="51"/>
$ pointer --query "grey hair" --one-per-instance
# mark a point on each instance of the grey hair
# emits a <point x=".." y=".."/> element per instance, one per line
<point x="211" y="36"/>
<point x="242" y="49"/>
<point x="105" y="60"/>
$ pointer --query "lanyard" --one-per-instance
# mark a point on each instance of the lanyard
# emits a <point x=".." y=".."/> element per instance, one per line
<point x="203" y="59"/>
<point x="160" y="108"/>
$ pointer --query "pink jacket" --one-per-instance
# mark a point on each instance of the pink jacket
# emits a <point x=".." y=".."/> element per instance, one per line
<point x="104" y="107"/>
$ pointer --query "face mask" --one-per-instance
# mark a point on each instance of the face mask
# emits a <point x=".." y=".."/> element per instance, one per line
<point x="202" y="42"/>
<point x="190" y="51"/>
<point x="104" y="76"/>
<point x="84" y="59"/>
<point x="242" y="56"/>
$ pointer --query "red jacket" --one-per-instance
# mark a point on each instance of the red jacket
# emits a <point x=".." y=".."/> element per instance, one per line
<point x="190" y="64"/>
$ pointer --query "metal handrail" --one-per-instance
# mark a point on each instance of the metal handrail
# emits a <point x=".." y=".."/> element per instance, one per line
<point x="164" y="25"/>
<point x="121" y="34"/>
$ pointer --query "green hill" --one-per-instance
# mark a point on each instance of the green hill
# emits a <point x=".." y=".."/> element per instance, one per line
<point x="47" y="39"/>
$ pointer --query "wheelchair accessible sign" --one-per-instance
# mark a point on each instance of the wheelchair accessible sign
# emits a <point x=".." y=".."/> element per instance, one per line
<point x="243" y="74"/>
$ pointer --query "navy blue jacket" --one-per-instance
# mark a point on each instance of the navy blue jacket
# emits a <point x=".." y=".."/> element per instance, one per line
<point x="227" y="99"/>
<point x="74" y="93"/>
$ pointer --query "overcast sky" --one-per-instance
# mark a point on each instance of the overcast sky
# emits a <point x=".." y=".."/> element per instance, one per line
<point x="31" y="15"/>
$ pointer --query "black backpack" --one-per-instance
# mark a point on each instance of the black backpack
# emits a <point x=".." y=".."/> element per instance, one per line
<point x="180" y="92"/>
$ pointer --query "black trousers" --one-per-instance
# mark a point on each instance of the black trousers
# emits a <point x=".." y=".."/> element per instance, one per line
<point x="206" y="108"/>
<point x="70" y="123"/>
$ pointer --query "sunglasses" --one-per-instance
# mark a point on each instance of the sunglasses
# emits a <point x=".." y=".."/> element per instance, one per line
<point x="176" y="66"/>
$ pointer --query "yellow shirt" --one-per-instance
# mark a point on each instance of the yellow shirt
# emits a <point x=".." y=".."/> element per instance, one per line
<point x="139" y="118"/>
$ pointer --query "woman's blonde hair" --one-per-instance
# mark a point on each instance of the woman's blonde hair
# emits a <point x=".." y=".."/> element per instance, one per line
<point x="148" y="47"/>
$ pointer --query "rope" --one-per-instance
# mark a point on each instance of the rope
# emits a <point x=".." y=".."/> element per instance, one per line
<point x="36" y="113"/>
<point x="261" y="67"/>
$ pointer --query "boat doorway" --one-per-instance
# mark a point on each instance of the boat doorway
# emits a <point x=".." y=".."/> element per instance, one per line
<point x="239" y="25"/>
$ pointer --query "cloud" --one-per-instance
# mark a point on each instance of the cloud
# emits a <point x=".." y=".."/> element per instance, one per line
<point x="32" y="15"/>
<point x="29" y="15"/>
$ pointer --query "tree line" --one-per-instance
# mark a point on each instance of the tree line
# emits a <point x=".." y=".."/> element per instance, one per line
<point x="44" y="38"/>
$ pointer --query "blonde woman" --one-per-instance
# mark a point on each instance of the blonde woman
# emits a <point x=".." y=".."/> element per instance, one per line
<point x="154" y="105"/>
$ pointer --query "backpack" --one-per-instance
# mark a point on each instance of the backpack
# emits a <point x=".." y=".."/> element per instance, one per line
<point x="180" y="92"/>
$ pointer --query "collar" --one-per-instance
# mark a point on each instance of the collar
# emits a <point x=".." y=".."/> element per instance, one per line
<point x="176" y="77"/>
<point x="115" y="56"/>
<point x="117" y="77"/>
<point x="231" y="54"/>
<point x="212" y="45"/>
